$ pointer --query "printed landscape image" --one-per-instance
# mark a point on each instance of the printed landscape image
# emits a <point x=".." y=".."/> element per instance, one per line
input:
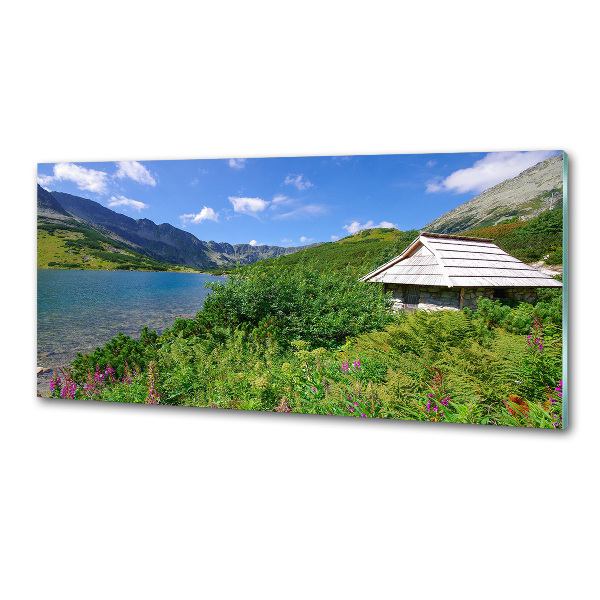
<point x="420" y="287"/>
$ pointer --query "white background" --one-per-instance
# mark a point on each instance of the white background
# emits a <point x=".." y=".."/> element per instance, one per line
<point x="103" y="501"/>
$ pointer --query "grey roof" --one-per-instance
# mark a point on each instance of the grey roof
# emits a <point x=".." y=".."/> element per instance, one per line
<point x="458" y="261"/>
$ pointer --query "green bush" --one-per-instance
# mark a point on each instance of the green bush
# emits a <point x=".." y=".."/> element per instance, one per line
<point x="303" y="303"/>
<point x="122" y="352"/>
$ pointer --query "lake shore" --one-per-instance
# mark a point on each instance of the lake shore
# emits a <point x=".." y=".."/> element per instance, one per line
<point x="82" y="309"/>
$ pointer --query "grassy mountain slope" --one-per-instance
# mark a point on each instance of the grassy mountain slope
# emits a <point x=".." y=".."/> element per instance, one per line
<point x="164" y="242"/>
<point x="68" y="242"/>
<point x="525" y="196"/>
<point x="160" y="242"/>
<point x="359" y="253"/>
<point x="530" y="240"/>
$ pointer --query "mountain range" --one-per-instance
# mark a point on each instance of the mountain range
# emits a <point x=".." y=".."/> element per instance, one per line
<point x="163" y="243"/>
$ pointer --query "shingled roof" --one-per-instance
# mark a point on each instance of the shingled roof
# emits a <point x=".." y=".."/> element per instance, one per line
<point x="458" y="261"/>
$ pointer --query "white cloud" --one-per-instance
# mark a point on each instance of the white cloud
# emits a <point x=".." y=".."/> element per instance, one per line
<point x="248" y="206"/>
<point x="493" y="168"/>
<point x="237" y="163"/>
<point x="431" y="163"/>
<point x="126" y="202"/>
<point x="281" y="200"/>
<point x="306" y="240"/>
<point x="356" y="226"/>
<point x="132" y="169"/>
<point x="44" y="180"/>
<point x="298" y="181"/>
<point x="334" y="238"/>
<point x="310" y="210"/>
<point x="253" y="243"/>
<point x="286" y="241"/>
<point x="206" y="214"/>
<point x="86" y="179"/>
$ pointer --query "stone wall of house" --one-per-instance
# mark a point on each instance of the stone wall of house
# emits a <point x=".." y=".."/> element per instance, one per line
<point x="471" y="294"/>
<point x="438" y="298"/>
<point x="521" y="294"/>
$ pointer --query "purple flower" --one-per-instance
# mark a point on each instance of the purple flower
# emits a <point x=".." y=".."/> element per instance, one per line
<point x="55" y="383"/>
<point x="68" y="390"/>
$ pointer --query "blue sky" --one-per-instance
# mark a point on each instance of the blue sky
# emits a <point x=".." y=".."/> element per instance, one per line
<point x="289" y="201"/>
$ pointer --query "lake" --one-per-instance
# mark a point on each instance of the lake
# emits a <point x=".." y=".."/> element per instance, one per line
<point x="79" y="310"/>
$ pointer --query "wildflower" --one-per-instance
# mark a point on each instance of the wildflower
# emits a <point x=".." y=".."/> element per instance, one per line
<point x="345" y="366"/>
<point x="363" y="415"/>
<point x="98" y="375"/>
<point x="55" y="383"/>
<point x="153" y="396"/>
<point x="351" y="409"/>
<point x="110" y="373"/>
<point x="356" y="364"/>
<point x="69" y="389"/>
<point x="90" y="387"/>
<point x="283" y="406"/>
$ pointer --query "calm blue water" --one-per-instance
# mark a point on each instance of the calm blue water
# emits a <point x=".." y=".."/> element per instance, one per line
<point x="80" y="310"/>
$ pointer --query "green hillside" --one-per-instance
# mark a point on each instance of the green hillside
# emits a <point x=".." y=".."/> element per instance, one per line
<point x="360" y="253"/>
<point x="530" y="240"/>
<point x="69" y="244"/>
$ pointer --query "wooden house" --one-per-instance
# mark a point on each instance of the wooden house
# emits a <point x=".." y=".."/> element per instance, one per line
<point x="439" y="271"/>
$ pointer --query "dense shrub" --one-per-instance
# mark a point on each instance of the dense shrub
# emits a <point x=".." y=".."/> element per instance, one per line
<point x="121" y="353"/>
<point x="303" y="303"/>
<point x="519" y="319"/>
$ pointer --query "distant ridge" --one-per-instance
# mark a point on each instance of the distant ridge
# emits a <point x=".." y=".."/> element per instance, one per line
<point x="163" y="242"/>
<point x="523" y="196"/>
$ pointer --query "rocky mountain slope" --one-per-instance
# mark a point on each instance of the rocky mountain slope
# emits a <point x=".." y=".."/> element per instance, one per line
<point x="163" y="243"/>
<point x="48" y="206"/>
<point x="536" y="189"/>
